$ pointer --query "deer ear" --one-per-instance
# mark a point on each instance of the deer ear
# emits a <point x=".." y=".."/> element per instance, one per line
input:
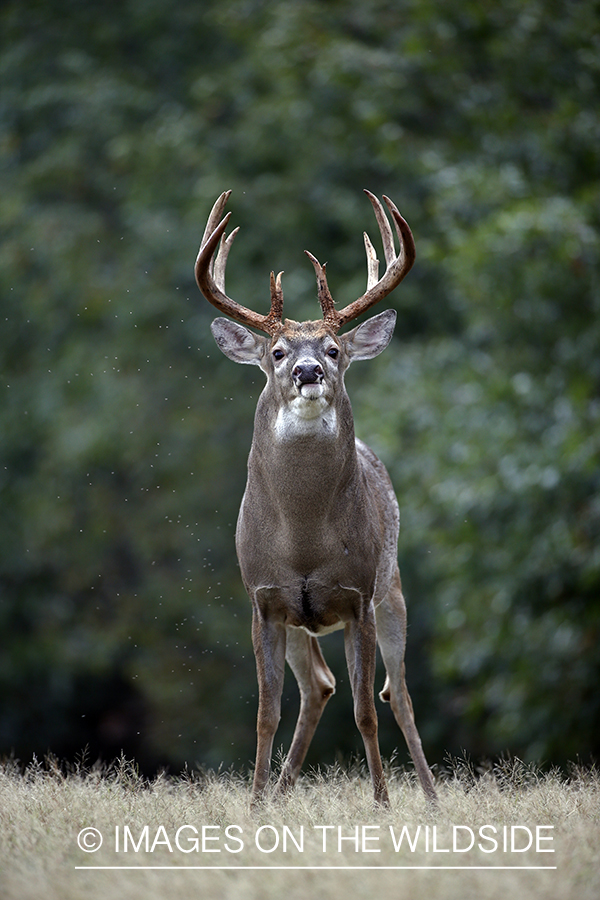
<point x="237" y="343"/>
<point x="372" y="337"/>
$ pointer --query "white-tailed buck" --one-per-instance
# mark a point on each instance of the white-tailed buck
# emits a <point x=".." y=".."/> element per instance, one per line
<point x="317" y="531"/>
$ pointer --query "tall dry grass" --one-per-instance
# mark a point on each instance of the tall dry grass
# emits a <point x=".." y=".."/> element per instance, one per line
<point x="43" y="810"/>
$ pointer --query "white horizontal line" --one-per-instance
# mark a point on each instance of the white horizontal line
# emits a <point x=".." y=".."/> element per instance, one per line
<point x="311" y="868"/>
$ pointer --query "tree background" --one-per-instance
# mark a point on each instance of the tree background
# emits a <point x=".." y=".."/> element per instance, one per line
<point x="124" y="432"/>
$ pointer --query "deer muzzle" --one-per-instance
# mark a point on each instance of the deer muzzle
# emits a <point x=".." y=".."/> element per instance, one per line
<point x="307" y="373"/>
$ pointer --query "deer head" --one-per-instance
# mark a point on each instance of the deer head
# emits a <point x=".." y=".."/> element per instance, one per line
<point x="305" y="365"/>
<point x="304" y="362"/>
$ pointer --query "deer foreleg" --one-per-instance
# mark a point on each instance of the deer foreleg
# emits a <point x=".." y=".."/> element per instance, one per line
<point x="316" y="684"/>
<point x="268" y="639"/>
<point x="361" y="644"/>
<point x="391" y="636"/>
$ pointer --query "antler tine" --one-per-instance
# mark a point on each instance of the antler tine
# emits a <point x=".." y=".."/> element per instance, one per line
<point x="210" y="276"/>
<point x="221" y="260"/>
<point x="330" y="314"/>
<point x="276" y="300"/>
<point x="372" y="262"/>
<point x="387" y="237"/>
<point x="215" y="216"/>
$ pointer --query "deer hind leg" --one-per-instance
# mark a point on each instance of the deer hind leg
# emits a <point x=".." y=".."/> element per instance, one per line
<point x="361" y="648"/>
<point x="268" y="639"/>
<point x="391" y="636"/>
<point x="316" y="684"/>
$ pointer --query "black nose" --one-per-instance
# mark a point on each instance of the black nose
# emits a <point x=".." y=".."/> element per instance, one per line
<point x="308" y="373"/>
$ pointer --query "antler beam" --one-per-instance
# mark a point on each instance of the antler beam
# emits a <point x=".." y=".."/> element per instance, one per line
<point x="210" y="275"/>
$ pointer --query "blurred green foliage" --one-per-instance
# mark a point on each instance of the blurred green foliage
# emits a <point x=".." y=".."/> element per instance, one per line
<point x="124" y="433"/>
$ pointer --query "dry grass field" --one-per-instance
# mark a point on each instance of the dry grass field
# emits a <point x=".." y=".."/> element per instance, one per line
<point x="507" y="832"/>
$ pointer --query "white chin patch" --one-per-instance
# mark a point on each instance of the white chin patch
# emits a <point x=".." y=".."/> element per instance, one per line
<point x="310" y="404"/>
<point x="311" y="391"/>
<point x="309" y="413"/>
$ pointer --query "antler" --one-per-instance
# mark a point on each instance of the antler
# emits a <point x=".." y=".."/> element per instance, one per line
<point x="397" y="266"/>
<point x="210" y="276"/>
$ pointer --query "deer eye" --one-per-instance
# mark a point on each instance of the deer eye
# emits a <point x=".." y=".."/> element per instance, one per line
<point x="278" y="354"/>
<point x="333" y="353"/>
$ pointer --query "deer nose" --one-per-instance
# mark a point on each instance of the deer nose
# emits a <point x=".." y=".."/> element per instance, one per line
<point x="307" y="373"/>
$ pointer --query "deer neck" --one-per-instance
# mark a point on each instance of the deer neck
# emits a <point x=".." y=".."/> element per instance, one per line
<point x="304" y="456"/>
